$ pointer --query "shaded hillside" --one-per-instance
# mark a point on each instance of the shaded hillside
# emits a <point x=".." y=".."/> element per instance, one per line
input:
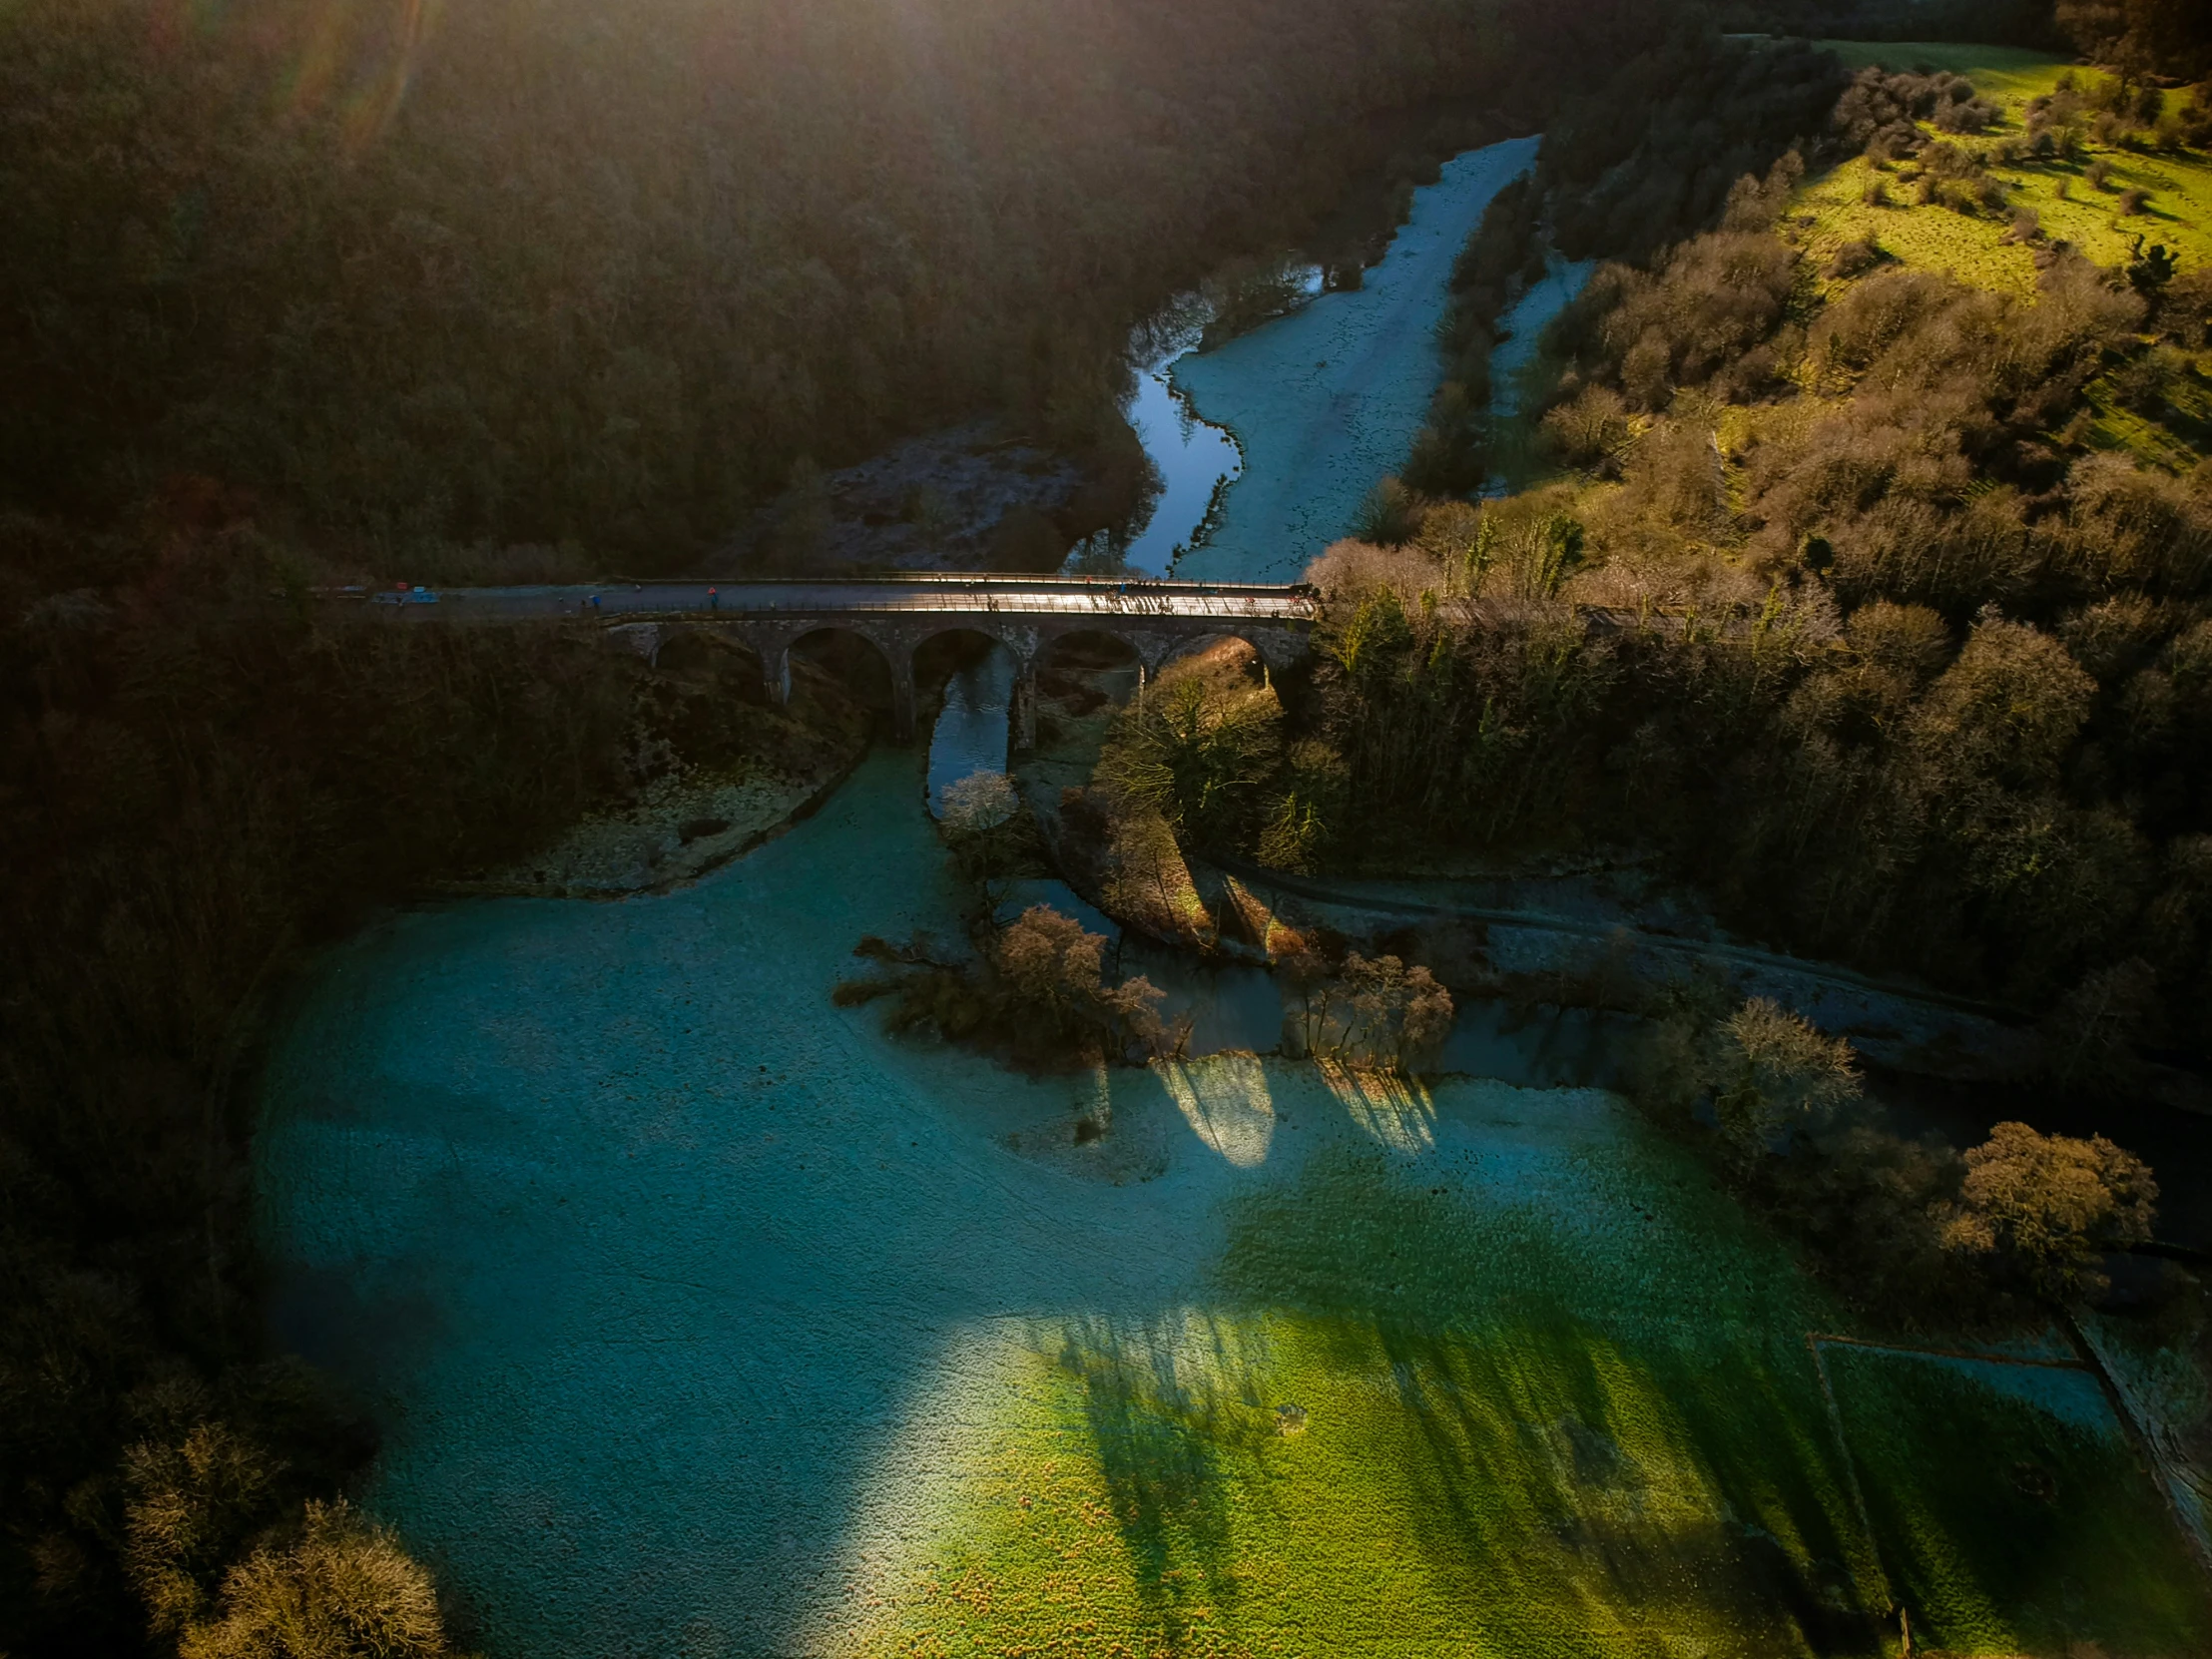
<point x="526" y="272"/>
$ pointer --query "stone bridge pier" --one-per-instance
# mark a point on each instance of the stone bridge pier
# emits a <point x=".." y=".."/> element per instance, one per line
<point x="1154" y="639"/>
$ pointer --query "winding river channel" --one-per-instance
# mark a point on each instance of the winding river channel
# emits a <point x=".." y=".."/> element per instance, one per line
<point x="703" y="1319"/>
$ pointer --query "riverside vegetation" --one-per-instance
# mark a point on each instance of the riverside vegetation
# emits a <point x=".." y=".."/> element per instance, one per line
<point x="1832" y="590"/>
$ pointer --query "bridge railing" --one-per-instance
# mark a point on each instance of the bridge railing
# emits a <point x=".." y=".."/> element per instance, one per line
<point x="854" y="595"/>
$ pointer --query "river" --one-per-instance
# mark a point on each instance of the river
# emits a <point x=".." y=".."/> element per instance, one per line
<point x="701" y="1318"/>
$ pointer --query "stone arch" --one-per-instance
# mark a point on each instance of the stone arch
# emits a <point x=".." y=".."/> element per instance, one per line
<point x="1087" y="638"/>
<point x="1185" y="645"/>
<point x="1022" y="644"/>
<point x="893" y="651"/>
<point x="681" y="643"/>
<point x="1280" y="648"/>
<point x="1086" y="646"/>
<point x="938" y="644"/>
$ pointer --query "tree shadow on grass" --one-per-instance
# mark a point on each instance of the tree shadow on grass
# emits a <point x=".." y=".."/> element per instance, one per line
<point x="2012" y="1515"/>
<point x="1168" y="1401"/>
<point x="1606" y="1479"/>
<point x="1567" y="1459"/>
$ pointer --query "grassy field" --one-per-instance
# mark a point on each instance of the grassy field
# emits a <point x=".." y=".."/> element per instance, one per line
<point x="1562" y="1405"/>
<point x="1832" y="209"/>
<point x="706" y="1319"/>
<point x="2046" y="1529"/>
<point x="2179" y="211"/>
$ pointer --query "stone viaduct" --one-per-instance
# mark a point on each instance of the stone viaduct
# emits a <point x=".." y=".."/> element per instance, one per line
<point x="1156" y="620"/>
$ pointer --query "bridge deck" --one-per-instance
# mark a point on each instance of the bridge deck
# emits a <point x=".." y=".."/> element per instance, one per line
<point x="983" y="595"/>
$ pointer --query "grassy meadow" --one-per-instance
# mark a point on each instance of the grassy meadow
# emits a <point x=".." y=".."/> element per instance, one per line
<point x="1832" y="209"/>
<point x="1977" y="249"/>
<point x="1528" y="1383"/>
<point x="2045" y="1526"/>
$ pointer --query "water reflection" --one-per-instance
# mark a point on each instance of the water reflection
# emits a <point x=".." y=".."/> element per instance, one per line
<point x="970" y="734"/>
<point x="1193" y="461"/>
<point x="1326" y="401"/>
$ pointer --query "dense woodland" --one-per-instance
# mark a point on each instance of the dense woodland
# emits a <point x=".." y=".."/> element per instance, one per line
<point x="1896" y="666"/>
<point x="1631" y="164"/>
<point x="527" y="272"/>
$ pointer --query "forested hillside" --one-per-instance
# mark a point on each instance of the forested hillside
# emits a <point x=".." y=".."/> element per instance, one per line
<point x="530" y="270"/>
<point x="1868" y="577"/>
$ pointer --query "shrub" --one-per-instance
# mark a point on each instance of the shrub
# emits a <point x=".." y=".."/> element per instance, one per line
<point x="1377" y="1011"/>
<point x="992" y="839"/>
<point x="344" y="1590"/>
<point x="192" y="1504"/>
<point x="1390" y="515"/>
<point x="1199" y="750"/>
<point x="2049" y="1205"/>
<point x="2010" y="704"/>
<point x="1588" y="430"/>
<point x="2089" y="1038"/>
<point x="1051" y="968"/>
<point x="2185" y="308"/>
<point x="1303" y="821"/>
<point x="1855" y="258"/>
<point x="1039" y="993"/>
<point x="1774" y="1071"/>
<point x="1908" y="640"/>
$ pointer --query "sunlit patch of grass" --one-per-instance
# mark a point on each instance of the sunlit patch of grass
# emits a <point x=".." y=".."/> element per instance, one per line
<point x="1226" y="1103"/>
<point x="1975" y="247"/>
<point x="1924" y="237"/>
<point x="1538" y="1388"/>
<point x="1981" y="247"/>
<point x="1548" y="1397"/>
<point x="1396" y="1112"/>
<point x="2175" y="431"/>
<point x="1521" y="1488"/>
<point x="2114" y="426"/>
<point x="2010" y="1511"/>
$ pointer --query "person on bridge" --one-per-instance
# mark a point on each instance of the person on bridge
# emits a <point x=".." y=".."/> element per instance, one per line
<point x="714" y="599"/>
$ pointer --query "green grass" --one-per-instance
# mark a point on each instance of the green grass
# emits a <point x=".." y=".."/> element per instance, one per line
<point x="2012" y="1513"/>
<point x="1558" y="1401"/>
<point x="2012" y="73"/>
<point x="2178" y="213"/>
<point x="1831" y="210"/>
